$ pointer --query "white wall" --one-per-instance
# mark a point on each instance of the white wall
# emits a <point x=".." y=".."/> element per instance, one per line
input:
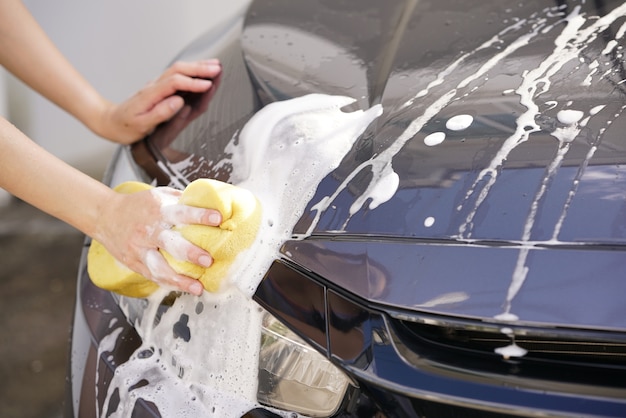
<point x="118" y="45"/>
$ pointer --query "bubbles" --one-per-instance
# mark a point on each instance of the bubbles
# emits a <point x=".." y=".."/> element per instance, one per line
<point x="507" y="316"/>
<point x="569" y="116"/>
<point x="511" y="351"/>
<point x="435" y="138"/>
<point x="596" y="110"/>
<point x="459" y="122"/>
<point x="455" y="123"/>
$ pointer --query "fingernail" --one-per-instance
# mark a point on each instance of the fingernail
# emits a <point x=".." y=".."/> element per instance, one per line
<point x="205" y="261"/>
<point x="184" y="112"/>
<point x="215" y="219"/>
<point x="196" y="288"/>
<point x="204" y="84"/>
<point x="213" y="64"/>
<point x="176" y="103"/>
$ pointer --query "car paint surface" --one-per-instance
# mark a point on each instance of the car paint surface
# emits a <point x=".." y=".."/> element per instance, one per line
<point x="521" y="212"/>
<point x="511" y="223"/>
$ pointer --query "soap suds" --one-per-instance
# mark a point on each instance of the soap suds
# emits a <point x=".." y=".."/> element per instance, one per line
<point x="459" y="122"/>
<point x="281" y="155"/>
<point x="435" y="138"/>
<point x="511" y="351"/>
<point x="569" y="116"/>
<point x="568" y="45"/>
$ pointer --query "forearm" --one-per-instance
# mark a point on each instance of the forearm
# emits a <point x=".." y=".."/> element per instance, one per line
<point x="28" y="53"/>
<point x="131" y="226"/>
<point x="39" y="178"/>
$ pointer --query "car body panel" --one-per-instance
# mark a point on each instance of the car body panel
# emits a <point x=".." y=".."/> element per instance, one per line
<point x="491" y="192"/>
<point x="509" y="229"/>
<point x="571" y="287"/>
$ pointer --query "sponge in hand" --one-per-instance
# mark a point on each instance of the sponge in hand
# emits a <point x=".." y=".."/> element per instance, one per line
<point x="241" y="217"/>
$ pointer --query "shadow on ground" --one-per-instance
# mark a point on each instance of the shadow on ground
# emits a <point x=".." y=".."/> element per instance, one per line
<point x="39" y="258"/>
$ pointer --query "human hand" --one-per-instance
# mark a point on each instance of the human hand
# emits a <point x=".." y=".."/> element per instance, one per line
<point x="195" y="105"/>
<point x="157" y="102"/>
<point x="133" y="227"/>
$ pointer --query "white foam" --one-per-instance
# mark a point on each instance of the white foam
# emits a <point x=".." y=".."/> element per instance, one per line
<point x="435" y="138"/>
<point x="511" y="351"/>
<point x="281" y="155"/>
<point x="596" y="110"/>
<point x="459" y="122"/>
<point x="569" y="116"/>
<point x="506" y="316"/>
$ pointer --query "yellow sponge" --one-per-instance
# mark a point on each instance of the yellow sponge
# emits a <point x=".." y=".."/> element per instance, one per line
<point x="241" y="217"/>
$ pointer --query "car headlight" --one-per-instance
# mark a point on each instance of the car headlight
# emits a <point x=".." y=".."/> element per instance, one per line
<point x="295" y="377"/>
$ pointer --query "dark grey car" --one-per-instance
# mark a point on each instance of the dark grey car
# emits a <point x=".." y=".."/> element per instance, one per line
<point x="466" y="258"/>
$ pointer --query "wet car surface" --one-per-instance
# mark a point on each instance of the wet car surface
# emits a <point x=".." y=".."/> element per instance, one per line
<point x="466" y="258"/>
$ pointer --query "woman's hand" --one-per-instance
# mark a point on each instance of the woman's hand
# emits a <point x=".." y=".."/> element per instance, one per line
<point x="133" y="227"/>
<point x="157" y="102"/>
<point x="28" y="53"/>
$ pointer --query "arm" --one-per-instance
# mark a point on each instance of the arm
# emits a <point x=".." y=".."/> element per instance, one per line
<point x="132" y="235"/>
<point x="27" y="52"/>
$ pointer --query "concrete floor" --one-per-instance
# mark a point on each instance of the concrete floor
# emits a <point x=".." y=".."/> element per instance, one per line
<point x="39" y="258"/>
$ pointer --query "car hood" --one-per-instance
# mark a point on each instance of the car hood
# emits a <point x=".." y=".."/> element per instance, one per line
<point x="492" y="185"/>
<point x="505" y="130"/>
<point x="509" y="130"/>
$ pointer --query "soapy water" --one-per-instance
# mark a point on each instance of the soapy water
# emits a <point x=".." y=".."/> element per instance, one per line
<point x="576" y="33"/>
<point x="512" y="350"/>
<point x="280" y="156"/>
<point x="455" y="123"/>
<point x="459" y="122"/>
<point x="573" y="39"/>
<point x="568" y="46"/>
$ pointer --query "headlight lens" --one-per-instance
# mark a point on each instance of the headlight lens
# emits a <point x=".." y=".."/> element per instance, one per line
<point x="295" y="377"/>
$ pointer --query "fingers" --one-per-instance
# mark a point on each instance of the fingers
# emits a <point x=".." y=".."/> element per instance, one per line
<point x="160" y="235"/>
<point x="189" y="215"/>
<point x="157" y="102"/>
<point x="183" y="76"/>
<point x="181" y="249"/>
<point x="210" y="68"/>
<point x="166" y="196"/>
<point x="163" y="274"/>
<point x="162" y="110"/>
<point x="174" y="214"/>
<point x="138" y="224"/>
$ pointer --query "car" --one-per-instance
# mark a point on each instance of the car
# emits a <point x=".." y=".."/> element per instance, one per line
<point x="443" y="188"/>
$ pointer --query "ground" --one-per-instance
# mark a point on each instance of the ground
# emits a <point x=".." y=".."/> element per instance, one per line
<point x="39" y="258"/>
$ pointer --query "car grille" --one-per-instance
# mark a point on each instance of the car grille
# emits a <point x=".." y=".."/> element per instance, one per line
<point x="582" y="358"/>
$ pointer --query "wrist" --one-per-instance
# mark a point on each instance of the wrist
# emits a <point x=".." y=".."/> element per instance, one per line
<point x="103" y="215"/>
<point x="96" y="116"/>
